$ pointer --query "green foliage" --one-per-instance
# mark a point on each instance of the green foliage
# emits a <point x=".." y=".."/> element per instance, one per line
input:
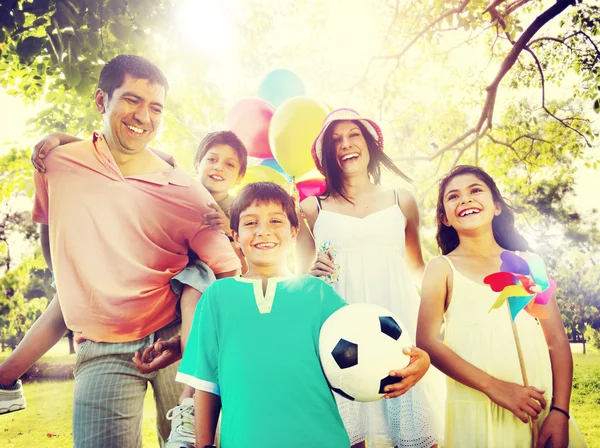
<point x="15" y="174"/>
<point x="55" y="50"/>
<point x="17" y="313"/>
<point x="578" y="291"/>
<point x="592" y="336"/>
<point x="22" y="298"/>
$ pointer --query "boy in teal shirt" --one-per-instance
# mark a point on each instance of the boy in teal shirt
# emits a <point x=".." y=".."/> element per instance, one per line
<point x="254" y="344"/>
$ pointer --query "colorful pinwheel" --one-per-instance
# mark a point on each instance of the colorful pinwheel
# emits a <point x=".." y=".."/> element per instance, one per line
<point x="523" y="281"/>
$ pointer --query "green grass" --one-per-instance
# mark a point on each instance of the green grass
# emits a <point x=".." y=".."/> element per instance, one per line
<point x="48" y="412"/>
<point x="585" y="399"/>
<point x="49" y="406"/>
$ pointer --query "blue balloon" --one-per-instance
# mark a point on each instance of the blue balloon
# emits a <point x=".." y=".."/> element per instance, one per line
<point x="280" y="85"/>
<point x="272" y="163"/>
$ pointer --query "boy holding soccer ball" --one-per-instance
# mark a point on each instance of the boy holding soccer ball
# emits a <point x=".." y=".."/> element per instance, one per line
<point x="254" y="344"/>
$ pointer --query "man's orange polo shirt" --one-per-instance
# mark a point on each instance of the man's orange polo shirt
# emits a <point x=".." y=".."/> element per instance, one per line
<point x="117" y="241"/>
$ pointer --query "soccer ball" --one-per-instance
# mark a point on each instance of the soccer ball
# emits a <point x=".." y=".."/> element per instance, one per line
<point x="359" y="344"/>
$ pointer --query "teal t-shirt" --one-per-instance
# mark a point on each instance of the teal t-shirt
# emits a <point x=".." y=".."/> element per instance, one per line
<point x="260" y="353"/>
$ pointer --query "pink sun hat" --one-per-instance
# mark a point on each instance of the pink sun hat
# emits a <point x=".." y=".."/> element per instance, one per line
<point x="343" y="114"/>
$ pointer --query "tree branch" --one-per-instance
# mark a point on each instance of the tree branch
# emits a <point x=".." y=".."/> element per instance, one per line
<point x="485" y="120"/>
<point x="512" y="8"/>
<point x="460" y="8"/>
<point x="451" y="146"/>
<point x="494" y="5"/>
<point x="561" y="121"/>
<point x="564" y="42"/>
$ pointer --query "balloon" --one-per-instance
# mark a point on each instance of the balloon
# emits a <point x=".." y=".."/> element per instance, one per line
<point x="294" y="126"/>
<point x="311" y="187"/>
<point x="312" y="174"/>
<point x="249" y="119"/>
<point x="272" y="163"/>
<point x="260" y="173"/>
<point x="280" y="85"/>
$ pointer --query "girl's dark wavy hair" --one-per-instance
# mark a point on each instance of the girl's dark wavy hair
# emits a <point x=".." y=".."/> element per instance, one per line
<point x="503" y="225"/>
<point x="333" y="172"/>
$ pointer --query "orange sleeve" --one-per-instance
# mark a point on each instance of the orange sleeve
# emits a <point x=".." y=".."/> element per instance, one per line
<point x="214" y="248"/>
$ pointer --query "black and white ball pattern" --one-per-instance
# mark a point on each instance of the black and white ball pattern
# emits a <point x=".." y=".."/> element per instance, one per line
<point x="359" y="344"/>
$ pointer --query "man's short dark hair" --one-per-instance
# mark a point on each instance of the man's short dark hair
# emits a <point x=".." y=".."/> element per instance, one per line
<point x="213" y="139"/>
<point x="113" y="73"/>
<point x="262" y="193"/>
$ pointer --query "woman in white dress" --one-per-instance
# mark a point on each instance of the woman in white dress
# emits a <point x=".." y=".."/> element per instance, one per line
<point x="374" y="238"/>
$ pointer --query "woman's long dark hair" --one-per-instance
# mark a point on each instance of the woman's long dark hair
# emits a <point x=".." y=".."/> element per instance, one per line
<point x="333" y="172"/>
<point x="503" y="225"/>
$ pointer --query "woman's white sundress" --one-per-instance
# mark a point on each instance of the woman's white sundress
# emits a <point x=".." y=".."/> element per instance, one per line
<point x="370" y="253"/>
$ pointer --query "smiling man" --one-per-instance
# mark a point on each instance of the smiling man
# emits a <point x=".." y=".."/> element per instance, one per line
<point x="118" y="219"/>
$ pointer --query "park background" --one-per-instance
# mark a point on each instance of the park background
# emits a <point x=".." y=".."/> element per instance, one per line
<point x="510" y="85"/>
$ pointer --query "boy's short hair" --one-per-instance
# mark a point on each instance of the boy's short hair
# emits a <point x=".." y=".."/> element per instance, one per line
<point x="262" y="193"/>
<point x="113" y="73"/>
<point x="213" y="139"/>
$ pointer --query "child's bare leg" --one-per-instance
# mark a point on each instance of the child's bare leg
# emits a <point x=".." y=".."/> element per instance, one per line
<point x="188" y="392"/>
<point x="189" y="299"/>
<point x="43" y="335"/>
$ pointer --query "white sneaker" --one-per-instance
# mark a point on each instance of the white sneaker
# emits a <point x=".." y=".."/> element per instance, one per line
<point x="12" y="398"/>
<point x="182" y="425"/>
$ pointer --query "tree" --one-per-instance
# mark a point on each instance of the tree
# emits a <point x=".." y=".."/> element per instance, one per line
<point x="578" y="292"/>
<point x="16" y="313"/>
<point x="20" y="302"/>
<point x="55" y="49"/>
<point x="500" y="24"/>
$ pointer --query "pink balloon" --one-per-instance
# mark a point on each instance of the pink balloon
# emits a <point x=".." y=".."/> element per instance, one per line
<point x="249" y="119"/>
<point x="311" y="187"/>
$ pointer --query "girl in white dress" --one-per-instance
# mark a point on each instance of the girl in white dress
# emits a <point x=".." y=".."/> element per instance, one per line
<point x="374" y="234"/>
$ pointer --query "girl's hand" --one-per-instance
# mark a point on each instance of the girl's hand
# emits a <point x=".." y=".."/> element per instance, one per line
<point x="323" y="266"/>
<point x="41" y="148"/>
<point x="411" y="374"/>
<point x="555" y="431"/>
<point x="217" y="220"/>
<point x="520" y="400"/>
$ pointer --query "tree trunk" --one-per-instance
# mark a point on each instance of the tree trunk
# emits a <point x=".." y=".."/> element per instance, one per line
<point x="71" y="343"/>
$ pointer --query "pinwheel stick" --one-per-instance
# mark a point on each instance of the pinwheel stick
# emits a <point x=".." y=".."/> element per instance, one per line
<point x="532" y="424"/>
